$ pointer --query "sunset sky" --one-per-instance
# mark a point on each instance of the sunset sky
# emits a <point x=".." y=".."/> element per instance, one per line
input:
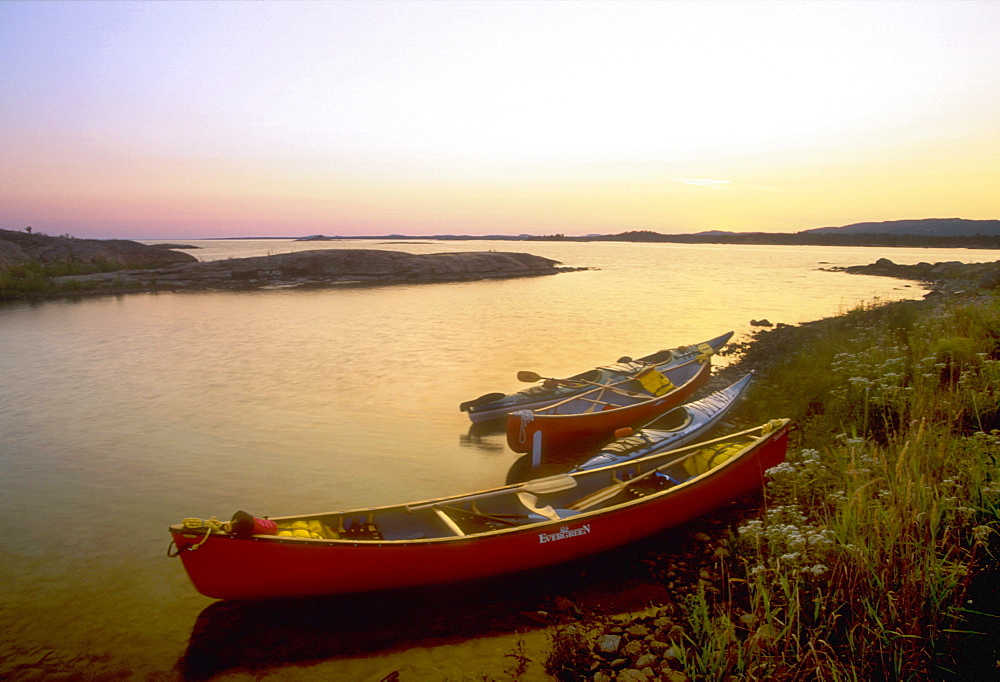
<point x="212" y="119"/>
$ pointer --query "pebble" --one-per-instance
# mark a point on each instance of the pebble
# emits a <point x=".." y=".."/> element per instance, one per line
<point x="633" y="649"/>
<point x="608" y="644"/>
<point x="645" y="661"/>
<point x="638" y="630"/>
<point x="673" y="653"/>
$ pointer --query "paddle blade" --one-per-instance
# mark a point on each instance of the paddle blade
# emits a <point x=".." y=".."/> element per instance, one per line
<point x="481" y="400"/>
<point x="530" y="503"/>
<point x="550" y="484"/>
<point x="529" y="377"/>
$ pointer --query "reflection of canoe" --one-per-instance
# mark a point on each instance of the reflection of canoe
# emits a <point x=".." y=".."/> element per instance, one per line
<point x="590" y="419"/>
<point x="504" y="530"/>
<point x="496" y="405"/>
<point x="679" y="426"/>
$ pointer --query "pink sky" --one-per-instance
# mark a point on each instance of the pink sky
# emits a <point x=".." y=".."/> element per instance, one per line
<point x="186" y="120"/>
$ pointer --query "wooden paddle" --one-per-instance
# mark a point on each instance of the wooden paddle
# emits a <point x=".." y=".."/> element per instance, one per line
<point x="532" y="377"/>
<point x="530" y="503"/>
<point x="549" y="484"/>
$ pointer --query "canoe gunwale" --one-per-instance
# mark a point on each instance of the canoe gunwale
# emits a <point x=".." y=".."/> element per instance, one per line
<point x="750" y="448"/>
<point x="502" y="407"/>
<point x="265" y="567"/>
<point x="650" y="400"/>
<point x="705" y="417"/>
<point x="581" y="430"/>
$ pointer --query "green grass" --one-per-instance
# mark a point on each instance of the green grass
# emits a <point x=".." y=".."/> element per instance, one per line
<point x="858" y="566"/>
<point x="34" y="277"/>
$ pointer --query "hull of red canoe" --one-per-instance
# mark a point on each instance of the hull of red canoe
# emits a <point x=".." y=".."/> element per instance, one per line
<point x="579" y="433"/>
<point x="227" y="567"/>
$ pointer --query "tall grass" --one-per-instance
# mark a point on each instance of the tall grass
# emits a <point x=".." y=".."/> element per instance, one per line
<point x="859" y="564"/>
<point x="34" y="277"/>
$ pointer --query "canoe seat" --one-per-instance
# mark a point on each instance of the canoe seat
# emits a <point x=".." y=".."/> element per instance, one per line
<point x="595" y="404"/>
<point x="449" y="522"/>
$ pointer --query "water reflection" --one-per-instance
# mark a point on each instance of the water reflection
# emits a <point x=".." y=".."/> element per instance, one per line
<point x="487" y="436"/>
<point x="262" y="634"/>
<point x="523" y="469"/>
<point x="491" y="436"/>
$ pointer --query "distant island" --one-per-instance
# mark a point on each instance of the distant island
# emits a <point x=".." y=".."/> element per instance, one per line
<point x="33" y="264"/>
<point x="39" y="265"/>
<point x="924" y="233"/>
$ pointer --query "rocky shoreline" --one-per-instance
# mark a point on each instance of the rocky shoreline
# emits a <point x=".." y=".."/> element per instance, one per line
<point x="40" y="265"/>
<point x="948" y="277"/>
<point x="322" y="268"/>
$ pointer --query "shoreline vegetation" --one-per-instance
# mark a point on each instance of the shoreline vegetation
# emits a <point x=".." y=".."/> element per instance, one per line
<point x="872" y="553"/>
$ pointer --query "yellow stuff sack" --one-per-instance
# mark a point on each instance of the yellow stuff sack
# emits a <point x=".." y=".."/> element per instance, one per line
<point x="710" y="457"/>
<point x="312" y="528"/>
<point x="654" y="382"/>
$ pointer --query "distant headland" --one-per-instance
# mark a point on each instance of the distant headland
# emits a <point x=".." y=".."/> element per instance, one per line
<point x="33" y="264"/>
<point x="39" y="265"/>
<point x="923" y="233"/>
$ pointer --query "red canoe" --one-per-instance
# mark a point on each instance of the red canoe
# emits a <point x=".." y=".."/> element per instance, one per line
<point x="589" y="420"/>
<point x="514" y="528"/>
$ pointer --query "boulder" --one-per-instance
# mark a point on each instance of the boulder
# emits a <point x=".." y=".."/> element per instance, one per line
<point x="948" y="277"/>
<point x="18" y="248"/>
<point x="609" y="644"/>
<point x="991" y="279"/>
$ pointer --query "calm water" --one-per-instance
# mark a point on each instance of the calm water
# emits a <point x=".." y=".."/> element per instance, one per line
<point x="120" y="415"/>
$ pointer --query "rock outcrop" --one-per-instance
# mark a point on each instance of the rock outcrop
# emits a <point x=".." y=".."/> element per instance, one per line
<point x="324" y="267"/>
<point x="943" y="278"/>
<point x="19" y="248"/>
